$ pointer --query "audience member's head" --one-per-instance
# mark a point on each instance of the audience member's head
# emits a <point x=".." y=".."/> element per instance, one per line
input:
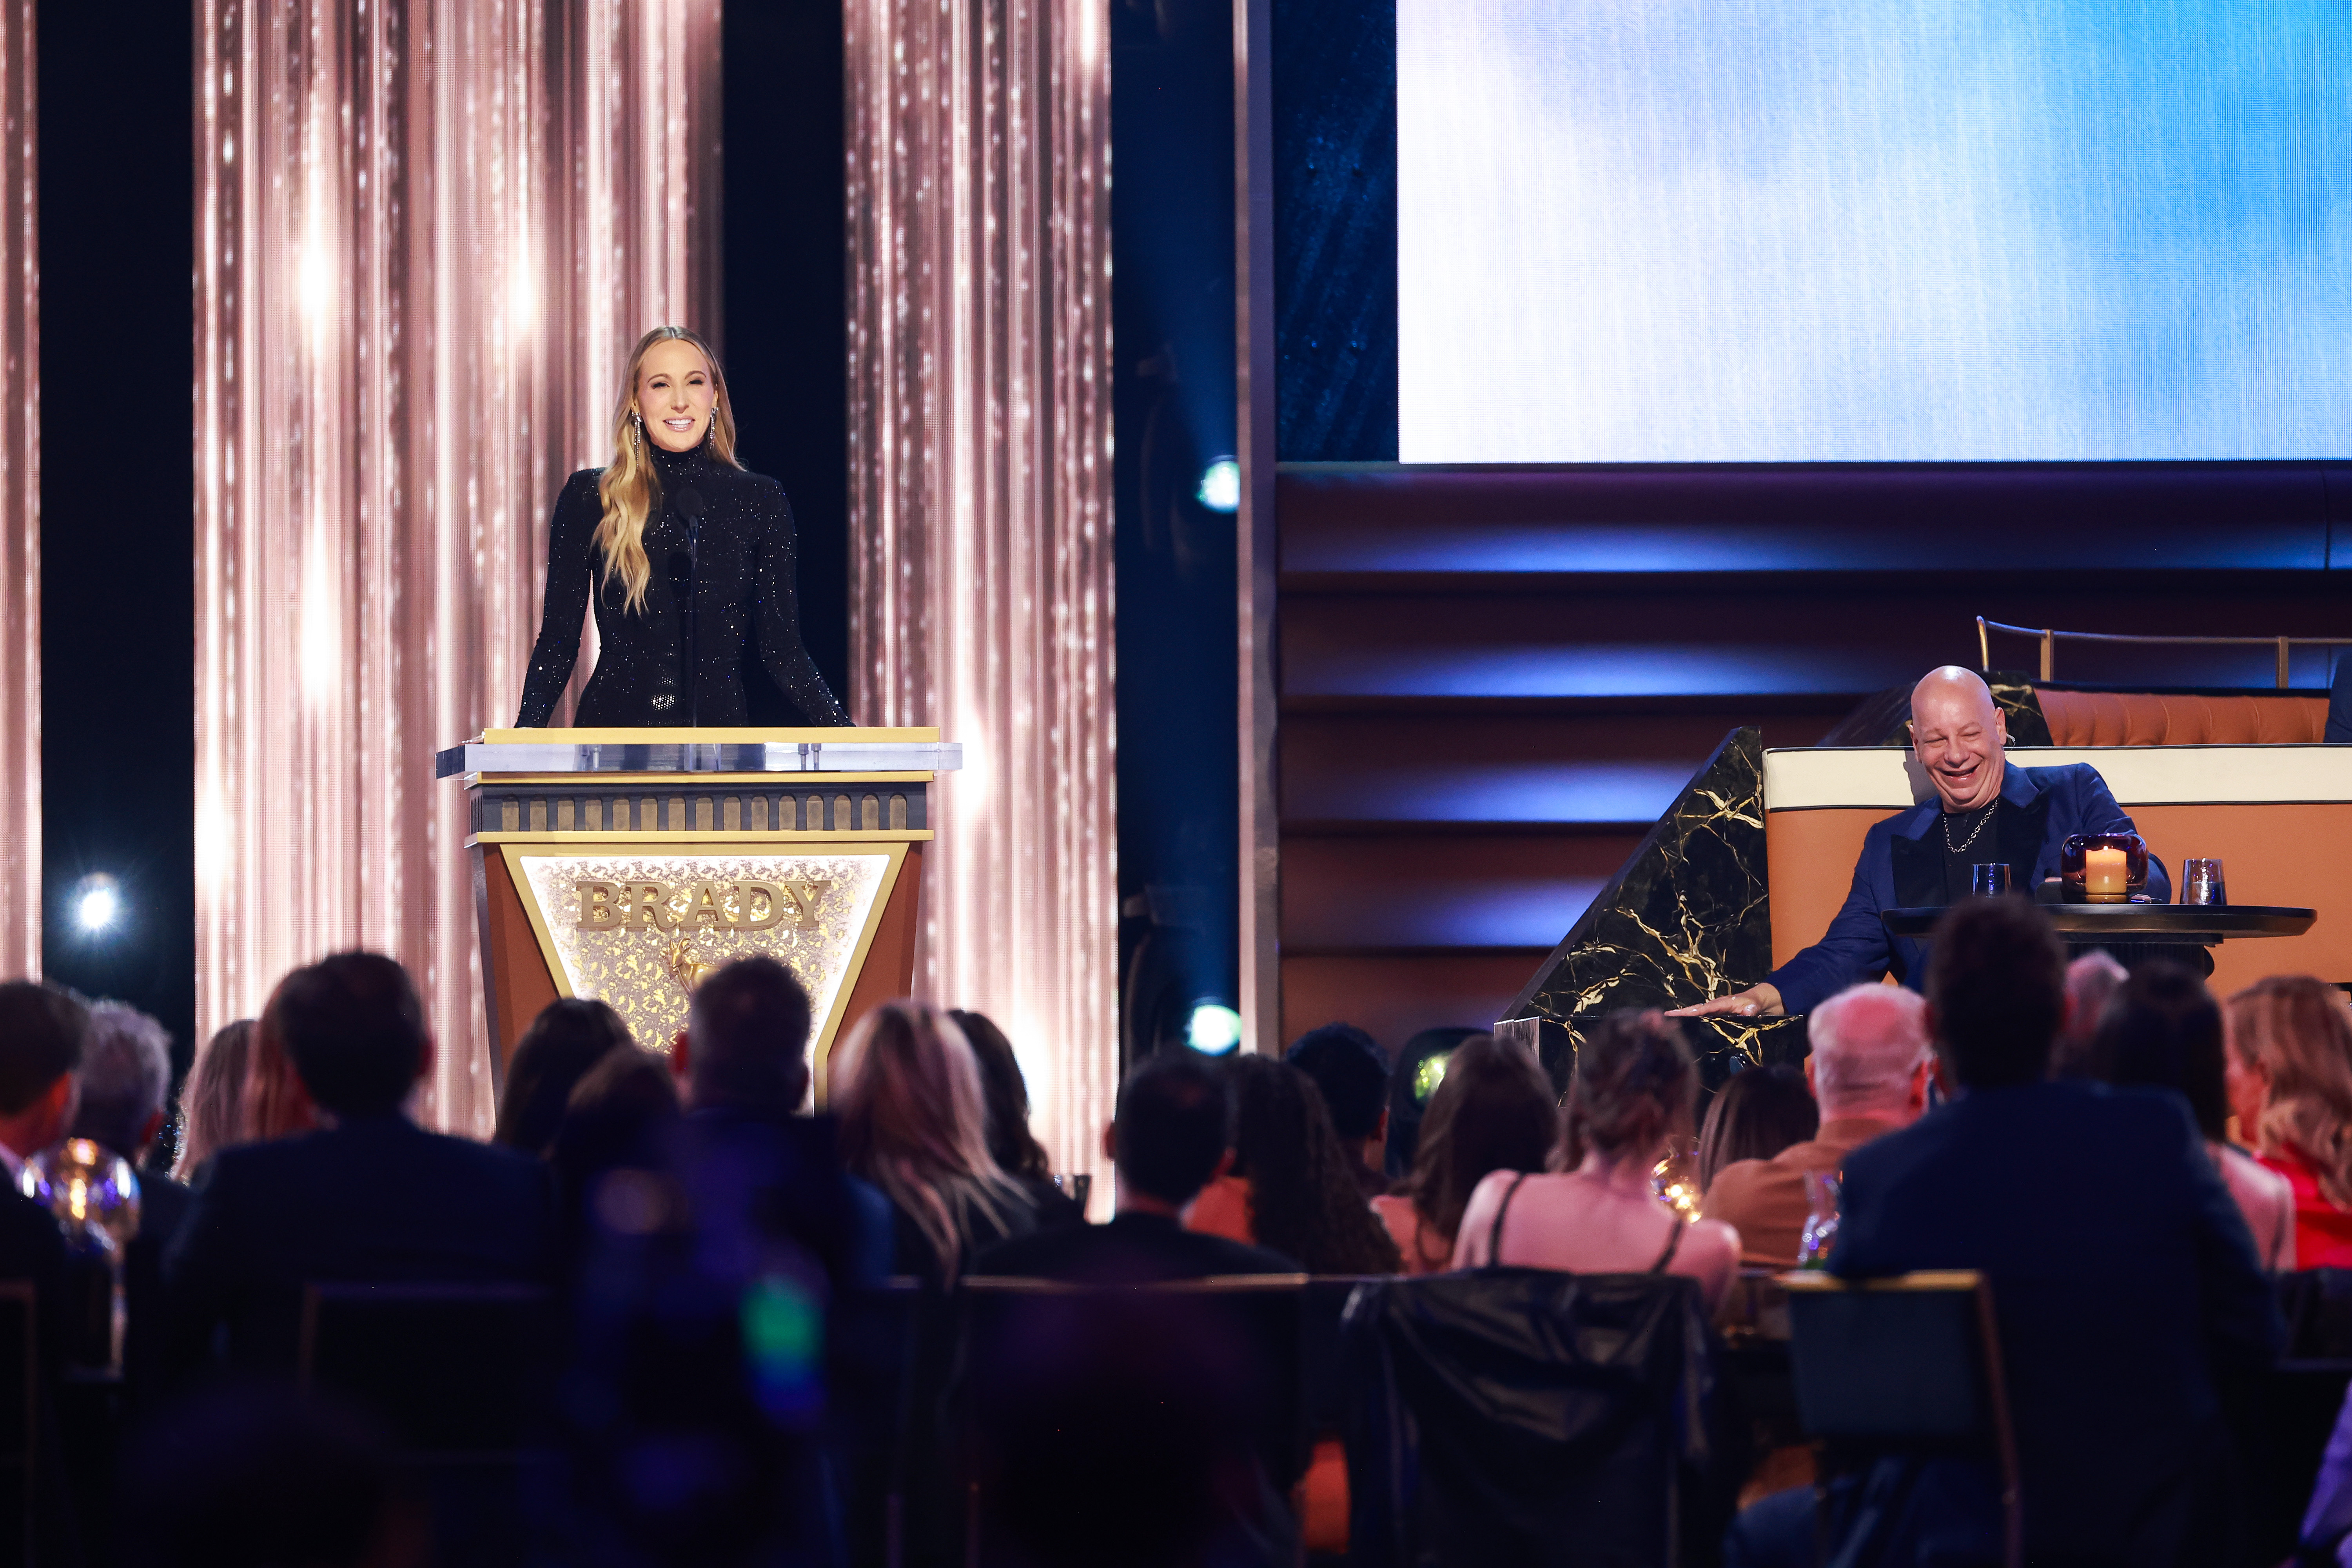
<point x="1016" y="1151"/>
<point x="2290" y="1076"/>
<point x="2162" y="1029"/>
<point x="1348" y="1067"/>
<point x="1870" y="1054"/>
<point x="1759" y="1112"/>
<point x="569" y="1037"/>
<point x="1412" y="1082"/>
<point x="277" y="1103"/>
<point x="354" y="1029"/>
<point x="747" y="1040"/>
<point x="1172" y="1128"/>
<point x="239" y="1474"/>
<point x="1997" y="991"/>
<point x="212" y="1102"/>
<point x="914" y="1121"/>
<point x="1304" y="1198"/>
<point x="1493" y="1110"/>
<point x="2091" y="981"/>
<point x="41" y="1033"/>
<point x="126" y="1074"/>
<point x="1634" y="1086"/>
<point x="612" y="1117"/>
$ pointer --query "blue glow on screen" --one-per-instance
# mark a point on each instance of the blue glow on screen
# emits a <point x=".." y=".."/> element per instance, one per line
<point x="1851" y="230"/>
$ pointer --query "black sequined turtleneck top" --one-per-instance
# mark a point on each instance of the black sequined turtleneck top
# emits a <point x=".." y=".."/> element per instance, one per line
<point x="742" y="594"/>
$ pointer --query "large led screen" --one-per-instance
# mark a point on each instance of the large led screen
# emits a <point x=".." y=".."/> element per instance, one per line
<point x="1874" y="230"/>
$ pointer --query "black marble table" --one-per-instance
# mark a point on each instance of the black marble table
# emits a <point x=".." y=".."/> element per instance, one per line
<point x="2133" y="931"/>
<point x="2205" y="925"/>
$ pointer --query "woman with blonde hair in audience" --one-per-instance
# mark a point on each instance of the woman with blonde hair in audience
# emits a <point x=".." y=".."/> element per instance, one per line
<point x="1756" y="1115"/>
<point x="1493" y="1110"/>
<point x="1632" y="1097"/>
<point x="212" y="1103"/>
<point x="277" y="1103"/>
<point x="914" y="1122"/>
<point x="2289" y="1079"/>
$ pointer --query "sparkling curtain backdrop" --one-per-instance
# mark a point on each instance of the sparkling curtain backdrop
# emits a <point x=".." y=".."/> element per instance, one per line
<point x="20" y="503"/>
<point x="426" y="236"/>
<point x="980" y="564"/>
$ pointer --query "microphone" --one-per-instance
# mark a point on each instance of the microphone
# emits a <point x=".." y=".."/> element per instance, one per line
<point x="690" y="506"/>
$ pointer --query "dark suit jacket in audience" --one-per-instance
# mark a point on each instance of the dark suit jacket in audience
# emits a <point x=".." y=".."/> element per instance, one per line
<point x="1132" y="1249"/>
<point x="163" y="1205"/>
<point x="2122" y="1279"/>
<point x="32" y="1247"/>
<point x="376" y="1199"/>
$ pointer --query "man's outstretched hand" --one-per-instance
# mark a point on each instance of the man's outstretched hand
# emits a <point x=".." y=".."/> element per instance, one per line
<point x="1756" y="1002"/>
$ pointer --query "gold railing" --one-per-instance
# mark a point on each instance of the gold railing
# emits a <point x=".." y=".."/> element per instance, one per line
<point x="2049" y="638"/>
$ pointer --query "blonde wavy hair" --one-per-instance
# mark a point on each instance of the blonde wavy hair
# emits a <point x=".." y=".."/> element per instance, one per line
<point x="914" y="1121"/>
<point x="630" y="488"/>
<point x="2297" y="1031"/>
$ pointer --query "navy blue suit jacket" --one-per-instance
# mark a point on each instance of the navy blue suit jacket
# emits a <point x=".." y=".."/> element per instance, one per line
<point x="375" y="1199"/>
<point x="2122" y="1279"/>
<point x="1902" y="867"/>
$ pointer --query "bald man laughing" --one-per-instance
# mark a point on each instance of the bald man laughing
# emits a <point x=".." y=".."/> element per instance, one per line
<point x="1985" y="813"/>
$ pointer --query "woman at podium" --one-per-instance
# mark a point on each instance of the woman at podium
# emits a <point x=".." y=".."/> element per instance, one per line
<point x="691" y="560"/>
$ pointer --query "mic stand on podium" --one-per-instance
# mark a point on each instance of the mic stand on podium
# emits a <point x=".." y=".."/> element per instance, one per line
<point x="627" y="865"/>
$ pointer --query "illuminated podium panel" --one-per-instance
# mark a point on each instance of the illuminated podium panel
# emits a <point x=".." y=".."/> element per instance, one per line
<point x="627" y="864"/>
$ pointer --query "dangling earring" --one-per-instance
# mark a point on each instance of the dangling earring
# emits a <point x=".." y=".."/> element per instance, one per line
<point x="637" y="431"/>
<point x="710" y="430"/>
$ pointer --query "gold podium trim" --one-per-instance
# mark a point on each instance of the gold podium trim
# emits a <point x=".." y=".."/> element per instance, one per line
<point x="571" y="839"/>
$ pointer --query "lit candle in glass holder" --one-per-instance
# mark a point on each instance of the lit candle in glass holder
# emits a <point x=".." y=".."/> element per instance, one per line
<point x="2106" y="876"/>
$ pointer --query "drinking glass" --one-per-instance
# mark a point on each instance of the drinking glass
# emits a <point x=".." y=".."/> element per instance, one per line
<point x="1674" y="1180"/>
<point x="2200" y="883"/>
<point x="1989" y="881"/>
<point x="1820" y="1235"/>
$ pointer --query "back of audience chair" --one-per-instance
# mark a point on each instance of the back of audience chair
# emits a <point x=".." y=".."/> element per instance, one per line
<point x="461" y="1376"/>
<point x="2282" y="1421"/>
<point x="874" y="1383"/>
<point x="1893" y="1373"/>
<point x="1145" y="1424"/>
<point x="1525" y="1417"/>
<point x="457" y="1372"/>
<point x="20" y="1403"/>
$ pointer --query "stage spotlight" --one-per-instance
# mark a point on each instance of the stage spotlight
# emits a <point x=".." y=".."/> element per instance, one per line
<point x="1221" y="486"/>
<point x="1214" y="1028"/>
<point x="97" y="903"/>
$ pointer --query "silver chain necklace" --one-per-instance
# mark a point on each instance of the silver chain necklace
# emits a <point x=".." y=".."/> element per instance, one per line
<point x="1973" y="832"/>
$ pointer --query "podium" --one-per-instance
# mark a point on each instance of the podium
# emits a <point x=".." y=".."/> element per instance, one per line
<point x="627" y="864"/>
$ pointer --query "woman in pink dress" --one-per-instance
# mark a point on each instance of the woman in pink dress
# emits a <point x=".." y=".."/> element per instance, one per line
<point x="1633" y="1092"/>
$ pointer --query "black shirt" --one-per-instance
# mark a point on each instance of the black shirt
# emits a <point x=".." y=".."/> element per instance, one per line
<point x="746" y="608"/>
<point x="1985" y="850"/>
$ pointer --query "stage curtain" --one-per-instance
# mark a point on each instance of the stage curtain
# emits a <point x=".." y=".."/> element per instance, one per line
<point x="981" y="513"/>
<point x="20" y="501"/>
<point x="427" y="235"/>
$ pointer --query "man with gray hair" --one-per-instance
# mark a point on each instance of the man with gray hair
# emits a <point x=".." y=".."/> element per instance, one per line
<point x="1869" y="1070"/>
<point x="126" y="1079"/>
<point x="126" y="1071"/>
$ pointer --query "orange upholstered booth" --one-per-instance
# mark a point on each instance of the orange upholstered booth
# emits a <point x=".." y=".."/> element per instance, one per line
<point x="2182" y="718"/>
<point x="2279" y="817"/>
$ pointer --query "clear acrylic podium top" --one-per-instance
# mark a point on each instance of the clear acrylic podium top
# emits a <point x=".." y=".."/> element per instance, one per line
<point x="684" y="750"/>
